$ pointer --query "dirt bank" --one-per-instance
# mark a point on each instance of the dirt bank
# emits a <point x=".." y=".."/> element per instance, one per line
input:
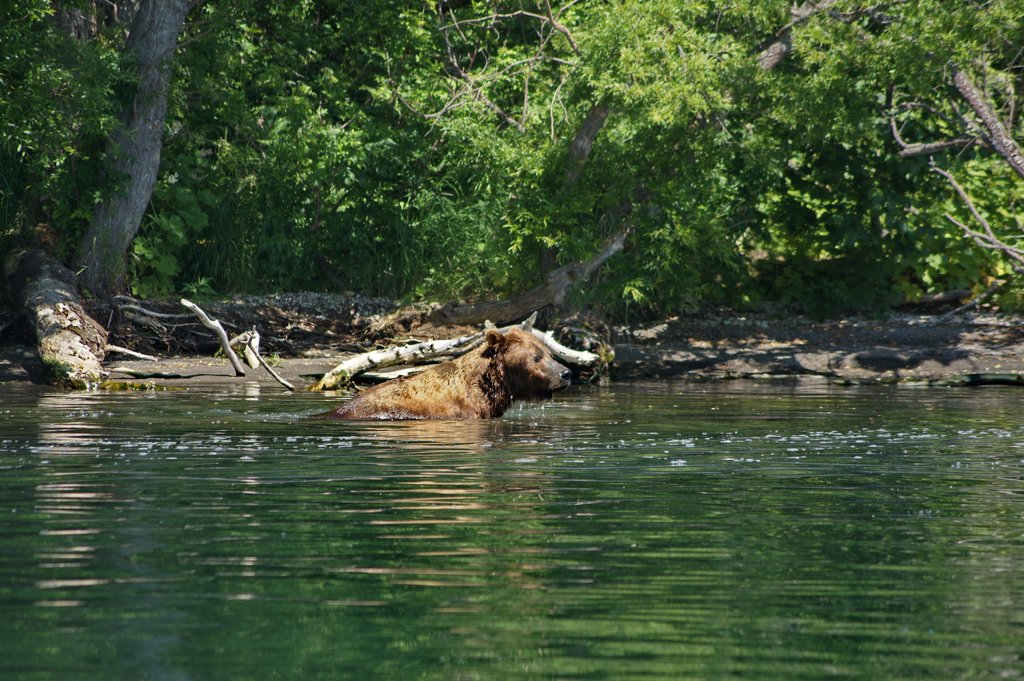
<point x="903" y="347"/>
<point x="310" y="333"/>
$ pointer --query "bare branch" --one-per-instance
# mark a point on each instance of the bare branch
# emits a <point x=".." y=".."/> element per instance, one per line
<point x="477" y="91"/>
<point x="252" y="347"/>
<point x="549" y="23"/>
<point x="557" y="97"/>
<point x="987" y="238"/>
<point x="973" y="302"/>
<point x="215" y="326"/>
<point x="131" y="353"/>
<point x="550" y="18"/>
<point x="553" y="20"/>
<point x="928" y="148"/>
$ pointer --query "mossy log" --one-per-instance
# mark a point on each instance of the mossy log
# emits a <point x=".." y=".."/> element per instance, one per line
<point x="70" y="342"/>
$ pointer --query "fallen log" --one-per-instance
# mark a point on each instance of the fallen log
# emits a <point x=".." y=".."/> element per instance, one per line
<point x="342" y="375"/>
<point x="70" y="343"/>
<point x="581" y="358"/>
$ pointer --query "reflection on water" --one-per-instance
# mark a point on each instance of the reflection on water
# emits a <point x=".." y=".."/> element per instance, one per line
<point x="642" y="530"/>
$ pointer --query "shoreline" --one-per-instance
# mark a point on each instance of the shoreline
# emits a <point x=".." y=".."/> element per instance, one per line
<point x="979" y="349"/>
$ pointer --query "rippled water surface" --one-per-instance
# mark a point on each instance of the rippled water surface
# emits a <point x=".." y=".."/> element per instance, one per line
<point x="642" y="530"/>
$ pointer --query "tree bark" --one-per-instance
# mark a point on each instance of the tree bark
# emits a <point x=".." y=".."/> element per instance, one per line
<point x="581" y="145"/>
<point x="998" y="136"/>
<point x="135" y="146"/>
<point x="782" y="45"/>
<point x="579" y="152"/>
<point x="70" y="342"/>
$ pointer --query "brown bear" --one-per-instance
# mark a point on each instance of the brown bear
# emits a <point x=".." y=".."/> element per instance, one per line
<point x="478" y="385"/>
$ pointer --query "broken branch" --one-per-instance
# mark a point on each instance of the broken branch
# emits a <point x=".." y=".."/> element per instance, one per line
<point x="250" y="341"/>
<point x="131" y="353"/>
<point x="221" y="334"/>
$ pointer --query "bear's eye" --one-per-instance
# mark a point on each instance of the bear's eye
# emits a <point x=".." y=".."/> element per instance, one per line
<point x="538" y="357"/>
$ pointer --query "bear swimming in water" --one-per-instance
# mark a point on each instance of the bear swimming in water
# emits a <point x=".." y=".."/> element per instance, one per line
<point x="481" y="384"/>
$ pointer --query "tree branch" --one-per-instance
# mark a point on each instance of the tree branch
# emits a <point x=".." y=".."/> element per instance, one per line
<point x="215" y="325"/>
<point x="475" y="88"/>
<point x="553" y="291"/>
<point x="928" y="148"/>
<point x="772" y="55"/>
<point x="987" y="238"/>
<point x="997" y="134"/>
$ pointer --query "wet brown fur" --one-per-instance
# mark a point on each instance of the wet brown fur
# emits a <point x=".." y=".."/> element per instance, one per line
<point x="478" y="385"/>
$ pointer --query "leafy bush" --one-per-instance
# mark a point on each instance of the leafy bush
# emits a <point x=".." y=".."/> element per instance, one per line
<point x="383" y="147"/>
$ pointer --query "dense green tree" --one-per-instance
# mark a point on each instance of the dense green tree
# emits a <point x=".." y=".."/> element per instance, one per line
<point x="759" y="151"/>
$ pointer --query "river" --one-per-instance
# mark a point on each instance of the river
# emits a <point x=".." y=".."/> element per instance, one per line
<point x="655" y="530"/>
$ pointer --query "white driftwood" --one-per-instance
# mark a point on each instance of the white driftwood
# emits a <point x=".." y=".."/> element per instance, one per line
<point x="221" y="334"/>
<point x="252" y="352"/>
<point x="342" y="374"/>
<point x="383" y="376"/>
<point x="131" y="353"/>
<point x="250" y="342"/>
<point x="578" y="357"/>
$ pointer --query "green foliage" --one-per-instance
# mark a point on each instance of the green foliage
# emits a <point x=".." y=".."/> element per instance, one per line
<point x="56" y="107"/>
<point x="422" y="150"/>
<point x="166" y="234"/>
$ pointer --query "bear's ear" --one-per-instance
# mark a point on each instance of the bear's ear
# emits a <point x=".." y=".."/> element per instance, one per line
<point x="493" y="340"/>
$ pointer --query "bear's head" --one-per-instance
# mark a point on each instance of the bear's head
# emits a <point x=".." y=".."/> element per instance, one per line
<point x="531" y="373"/>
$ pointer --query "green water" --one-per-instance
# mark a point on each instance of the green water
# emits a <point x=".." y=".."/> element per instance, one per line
<point x="638" y="531"/>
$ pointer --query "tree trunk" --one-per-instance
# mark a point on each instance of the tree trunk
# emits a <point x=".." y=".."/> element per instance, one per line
<point x="69" y="341"/>
<point x="579" y="152"/>
<point x="553" y="291"/>
<point x="581" y="145"/>
<point x="134" y="147"/>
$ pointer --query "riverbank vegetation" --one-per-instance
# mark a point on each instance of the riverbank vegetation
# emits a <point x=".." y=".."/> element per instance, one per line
<point x="463" y="149"/>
